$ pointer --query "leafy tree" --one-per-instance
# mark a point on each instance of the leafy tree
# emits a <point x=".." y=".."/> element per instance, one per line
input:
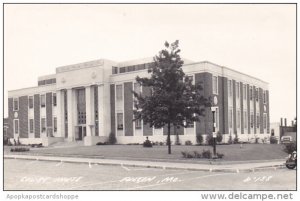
<point x="173" y="98"/>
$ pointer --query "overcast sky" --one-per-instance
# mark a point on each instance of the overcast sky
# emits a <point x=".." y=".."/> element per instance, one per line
<point x="259" y="40"/>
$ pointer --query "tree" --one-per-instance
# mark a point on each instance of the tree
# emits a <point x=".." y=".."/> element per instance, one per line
<point x="173" y="99"/>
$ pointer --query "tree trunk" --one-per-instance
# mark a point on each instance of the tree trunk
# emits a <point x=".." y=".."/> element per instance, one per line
<point x="169" y="138"/>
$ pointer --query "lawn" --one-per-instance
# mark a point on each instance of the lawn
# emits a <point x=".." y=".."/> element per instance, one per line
<point x="136" y="152"/>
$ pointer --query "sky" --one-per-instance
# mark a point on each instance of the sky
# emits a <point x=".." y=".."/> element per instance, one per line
<point x="256" y="39"/>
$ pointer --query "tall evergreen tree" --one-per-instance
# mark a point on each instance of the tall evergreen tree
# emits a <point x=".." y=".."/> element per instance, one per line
<point x="173" y="100"/>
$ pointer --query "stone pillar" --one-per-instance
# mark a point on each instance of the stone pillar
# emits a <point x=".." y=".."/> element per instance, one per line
<point x="90" y="120"/>
<point x="60" y="114"/>
<point x="104" y="110"/>
<point x="71" y="114"/>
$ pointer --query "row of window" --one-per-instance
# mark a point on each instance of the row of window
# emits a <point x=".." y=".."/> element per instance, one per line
<point x="31" y="103"/>
<point x="253" y="93"/>
<point x="238" y="120"/>
<point x="31" y="125"/>
<point x="116" y="70"/>
<point x="48" y="81"/>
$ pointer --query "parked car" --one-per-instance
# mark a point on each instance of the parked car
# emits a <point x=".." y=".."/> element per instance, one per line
<point x="286" y="139"/>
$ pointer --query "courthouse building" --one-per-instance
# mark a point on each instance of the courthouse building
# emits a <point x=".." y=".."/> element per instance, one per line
<point x="88" y="101"/>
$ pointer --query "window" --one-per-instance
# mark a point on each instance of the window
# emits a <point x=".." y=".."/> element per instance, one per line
<point x="265" y="100"/>
<point x="43" y="125"/>
<point x="229" y="88"/>
<point x="238" y="90"/>
<point x="16" y="104"/>
<point x="16" y="126"/>
<point x="251" y="93"/>
<point x="114" y="70"/>
<point x="257" y="120"/>
<point x="54" y="99"/>
<point x="256" y="94"/>
<point x="230" y="118"/>
<point x="119" y="91"/>
<point x="43" y="100"/>
<point x="122" y="69"/>
<point x="55" y="124"/>
<point x="215" y="85"/>
<point x="265" y="121"/>
<point x="30" y="125"/>
<point x="245" y="119"/>
<point x="30" y="102"/>
<point x="120" y="121"/>
<point x="238" y="119"/>
<point x="251" y="120"/>
<point x="245" y="91"/>
<point x="138" y="124"/>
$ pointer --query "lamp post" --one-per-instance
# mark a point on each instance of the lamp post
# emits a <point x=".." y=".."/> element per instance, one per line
<point x="213" y="109"/>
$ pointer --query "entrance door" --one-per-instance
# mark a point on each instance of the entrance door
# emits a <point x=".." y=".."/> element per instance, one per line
<point x="81" y="132"/>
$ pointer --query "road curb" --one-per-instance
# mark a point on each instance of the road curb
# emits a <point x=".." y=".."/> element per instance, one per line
<point x="169" y="167"/>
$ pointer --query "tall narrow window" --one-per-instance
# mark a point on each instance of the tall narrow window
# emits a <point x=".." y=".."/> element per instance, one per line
<point x="238" y="119"/>
<point x="16" y="126"/>
<point x="245" y="92"/>
<point x="54" y="99"/>
<point x="256" y="94"/>
<point x="251" y="120"/>
<point x="265" y="97"/>
<point x="265" y="121"/>
<point x="43" y="100"/>
<point x="30" y="102"/>
<point x="245" y="119"/>
<point x="257" y="121"/>
<point x="55" y="124"/>
<point x="119" y="92"/>
<point x="229" y="87"/>
<point x="230" y="118"/>
<point x="30" y="125"/>
<point x="120" y="121"/>
<point x="16" y="104"/>
<point x="138" y="124"/>
<point x="215" y="84"/>
<point x="237" y="90"/>
<point x="43" y="125"/>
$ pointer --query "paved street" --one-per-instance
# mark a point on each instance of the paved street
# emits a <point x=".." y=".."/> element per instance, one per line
<point x="48" y="175"/>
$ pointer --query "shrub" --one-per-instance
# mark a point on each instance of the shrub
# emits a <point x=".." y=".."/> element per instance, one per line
<point x="37" y="145"/>
<point x="199" y="139"/>
<point x="147" y="143"/>
<point x="188" y="142"/>
<point x="184" y="154"/>
<point x="167" y="143"/>
<point x="189" y="155"/>
<point x="18" y="142"/>
<point x="236" y="140"/>
<point x="161" y="143"/>
<point x="219" y="137"/>
<point x="15" y="142"/>
<point x="230" y="141"/>
<point x="197" y="154"/>
<point x="102" y="143"/>
<point x="290" y="147"/>
<point x="177" y="141"/>
<point x="206" y="154"/>
<point x="19" y="149"/>
<point x="273" y="140"/>
<point x="210" y="140"/>
<point x="112" y="138"/>
<point x="220" y="155"/>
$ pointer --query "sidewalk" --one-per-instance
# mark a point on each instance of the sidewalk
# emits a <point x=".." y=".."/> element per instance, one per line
<point x="241" y="167"/>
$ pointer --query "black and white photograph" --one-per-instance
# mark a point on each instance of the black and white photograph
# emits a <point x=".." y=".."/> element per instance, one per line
<point x="150" y="97"/>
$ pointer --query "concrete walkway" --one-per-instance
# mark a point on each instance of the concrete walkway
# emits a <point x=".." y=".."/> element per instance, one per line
<point x="241" y="167"/>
